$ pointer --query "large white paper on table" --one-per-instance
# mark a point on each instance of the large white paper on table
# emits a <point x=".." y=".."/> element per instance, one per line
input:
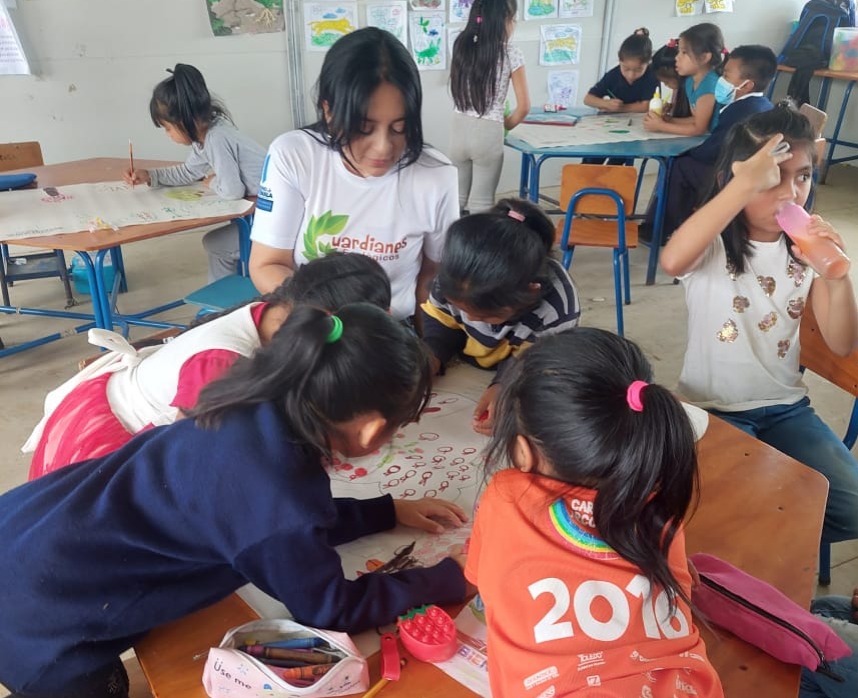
<point x="589" y="130"/>
<point x="105" y="205"/>
<point x="12" y="58"/>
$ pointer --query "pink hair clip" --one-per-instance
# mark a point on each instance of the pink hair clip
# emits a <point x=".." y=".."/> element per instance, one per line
<point x="725" y="51"/>
<point x="673" y="43"/>
<point x="633" y="395"/>
<point x="515" y="214"/>
<point x="479" y="19"/>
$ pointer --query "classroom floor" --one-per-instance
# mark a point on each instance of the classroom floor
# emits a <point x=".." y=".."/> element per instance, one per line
<point x="167" y="268"/>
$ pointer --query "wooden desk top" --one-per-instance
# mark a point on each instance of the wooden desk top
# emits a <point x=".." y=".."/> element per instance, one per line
<point x="826" y="73"/>
<point x="759" y="509"/>
<point x="103" y="170"/>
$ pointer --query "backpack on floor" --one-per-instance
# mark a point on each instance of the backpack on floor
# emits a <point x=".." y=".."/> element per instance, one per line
<point x="809" y="46"/>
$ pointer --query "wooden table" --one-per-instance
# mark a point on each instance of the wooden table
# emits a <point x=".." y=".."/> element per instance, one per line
<point x="759" y="509"/>
<point x="827" y="77"/>
<point x="94" y="247"/>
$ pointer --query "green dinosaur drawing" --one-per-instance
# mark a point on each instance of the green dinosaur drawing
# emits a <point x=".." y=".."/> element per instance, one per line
<point x="326" y="225"/>
<point x="428" y="55"/>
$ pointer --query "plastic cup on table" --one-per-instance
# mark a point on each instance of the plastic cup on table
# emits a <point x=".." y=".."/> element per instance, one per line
<point x="824" y="255"/>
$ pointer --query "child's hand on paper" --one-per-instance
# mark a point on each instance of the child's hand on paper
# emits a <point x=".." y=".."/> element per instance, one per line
<point x="485" y="411"/>
<point x="613" y="105"/>
<point x="425" y="513"/>
<point x="457" y="552"/>
<point x="652" y="122"/>
<point x="139" y="176"/>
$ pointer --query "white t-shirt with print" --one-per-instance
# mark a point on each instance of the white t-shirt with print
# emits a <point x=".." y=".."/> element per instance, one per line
<point x="513" y="60"/>
<point x="743" y="330"/>
<point x="311" y="204"/>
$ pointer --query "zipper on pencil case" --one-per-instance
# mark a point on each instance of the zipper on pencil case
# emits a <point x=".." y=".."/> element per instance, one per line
<point x="824" y="667"/>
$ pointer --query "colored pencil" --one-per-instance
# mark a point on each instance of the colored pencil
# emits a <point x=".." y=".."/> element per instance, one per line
<point x="131" y="158"/>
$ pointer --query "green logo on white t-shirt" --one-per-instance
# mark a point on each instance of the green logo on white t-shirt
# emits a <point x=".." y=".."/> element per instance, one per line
<point x="326" y="225"/>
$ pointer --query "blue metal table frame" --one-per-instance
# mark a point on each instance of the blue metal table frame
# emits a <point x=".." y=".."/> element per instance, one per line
<point x="662" y="150"/>
<point x="826" y="78"/>
<point x="93" y="248"/>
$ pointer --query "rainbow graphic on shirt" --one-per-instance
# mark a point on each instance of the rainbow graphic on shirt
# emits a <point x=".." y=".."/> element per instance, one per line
<point x="577" y="537"/>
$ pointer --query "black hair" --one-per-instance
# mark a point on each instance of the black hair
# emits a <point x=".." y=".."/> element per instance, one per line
<point x="743" y="140"/>
<point x="705" y="38"/>
<point x="759" y="64"/>
<point x="478" y="55"/>
<point x="184" y="101"/>
<point x="637" y="45"/>
<point x="328" y="282"/>
<point x="377" y="365"/>
<point x="664" y="66"/>
<point x="354" y="67"/>
<point x="567" y="395"/>
<point x="491" y="259"/>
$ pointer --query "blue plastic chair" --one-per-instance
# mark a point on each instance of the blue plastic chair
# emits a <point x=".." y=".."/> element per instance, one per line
<point x="842" y="372"/>
<point x="598" y="200"/>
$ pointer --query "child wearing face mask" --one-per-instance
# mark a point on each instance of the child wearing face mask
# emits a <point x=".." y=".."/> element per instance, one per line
<point x="739" y="93"/>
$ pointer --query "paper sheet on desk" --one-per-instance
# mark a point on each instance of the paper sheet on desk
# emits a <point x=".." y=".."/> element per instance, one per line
<point x="469" y="666"/>
<point x="589" y="130"/>
<point x="68" y="209"/>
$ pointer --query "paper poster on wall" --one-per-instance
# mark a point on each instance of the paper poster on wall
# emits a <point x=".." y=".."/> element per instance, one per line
<point x="576" y="8"/>
<point x="390" y="16"/>
<point x="325" y="22"/>
<point x="718" y="5"/>
<point x="426" y="31"/>
<point x="12" y="58"/>
<point x="559" y="44"/>
<point x="420" y="5"/>
<point x="540" y="9"/>
<point x="228" y="17"/>
<point x="459" y="10"/>
<point x="563" y="87"/>
<point x="689" y="8"/>
<point x="452" y="35"/>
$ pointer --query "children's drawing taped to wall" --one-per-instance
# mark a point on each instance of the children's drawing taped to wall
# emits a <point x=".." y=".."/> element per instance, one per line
<point x="228" y="17"/>
<point x="559" y="44"/>
<point x="390" y="16"/>
<point x="325" y="22"/>
<point x="12" y="58"/>
<point x="426" y="31"/>
<point x="689" y="8"/>
<point x="575" y="8"/>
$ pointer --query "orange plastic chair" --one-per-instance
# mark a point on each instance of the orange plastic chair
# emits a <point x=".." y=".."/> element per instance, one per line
<point x="598" y="200"/>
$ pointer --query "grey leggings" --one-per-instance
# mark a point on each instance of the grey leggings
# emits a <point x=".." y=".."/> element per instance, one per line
<point x="222" y="246"/>
<point x="476" y="149"/>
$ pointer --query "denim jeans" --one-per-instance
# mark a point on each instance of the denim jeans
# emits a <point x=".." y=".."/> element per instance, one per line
<point x="797" y="431"/>
<point x="814" y="685"/>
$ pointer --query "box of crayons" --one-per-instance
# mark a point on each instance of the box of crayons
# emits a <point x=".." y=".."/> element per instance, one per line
<point x="284" y="659"/>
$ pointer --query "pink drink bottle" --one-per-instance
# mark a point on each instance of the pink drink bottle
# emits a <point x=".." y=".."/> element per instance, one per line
<point x="824" y="255"/>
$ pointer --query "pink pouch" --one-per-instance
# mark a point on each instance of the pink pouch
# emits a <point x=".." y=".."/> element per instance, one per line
<point x="764" y="617"/>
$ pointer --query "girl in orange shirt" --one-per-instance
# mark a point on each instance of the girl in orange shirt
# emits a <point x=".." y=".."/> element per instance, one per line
<point x="578" y="549"/>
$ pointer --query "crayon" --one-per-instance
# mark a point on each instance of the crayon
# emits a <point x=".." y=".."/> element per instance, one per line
<point x="286" y="663"/>
<point x="296" y="643"/>
<point x="304" y="672"/>
<point x="304" y="656"/>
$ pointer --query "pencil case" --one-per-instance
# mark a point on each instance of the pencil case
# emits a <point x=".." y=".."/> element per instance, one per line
<point x="232" y="673"/>
<point x="761" y="615"/>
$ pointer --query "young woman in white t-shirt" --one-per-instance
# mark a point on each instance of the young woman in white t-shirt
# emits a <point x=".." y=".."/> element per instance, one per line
<point x="360" y="179"/>
<point x="483" y="65"/>
<point x="746" y="286"/>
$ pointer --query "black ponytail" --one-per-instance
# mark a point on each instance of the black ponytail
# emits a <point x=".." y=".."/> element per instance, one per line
<point x="375" y="366"/>
<point x="491" y="259"/>
<point x="184" y="101"/>
<point x="568" y="396"/>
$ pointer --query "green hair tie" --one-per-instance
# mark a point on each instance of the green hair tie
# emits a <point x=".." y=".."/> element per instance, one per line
<point x="336" y="330"/>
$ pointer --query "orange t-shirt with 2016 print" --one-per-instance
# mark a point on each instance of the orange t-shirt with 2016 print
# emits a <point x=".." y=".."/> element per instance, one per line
<point x="567" y="615"/>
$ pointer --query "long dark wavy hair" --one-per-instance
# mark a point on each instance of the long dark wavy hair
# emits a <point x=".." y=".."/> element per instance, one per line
<point x="491" y="259"/>
<point x="377" y="365"/>
<point x="353" y="69"/>
<point x="664" y="67"/>
<point x="706" y="38"/>
<point x="184" y="100"/>
<point x="478" y="54"/>
<point x="742" y="142"/>
<point x="567" y="396"/>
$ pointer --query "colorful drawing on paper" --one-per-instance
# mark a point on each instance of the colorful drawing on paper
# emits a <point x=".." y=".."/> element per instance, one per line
<point x="107" y="205"/>
<point x="589" y="130"/>
<point x="563" y="87"/>
<point x="540" y="9"/>
<point x="228" y="17"/>
<point x="326" y="22"/>
<point x="420" y="5"/>
<point x="469" y="666"/>
<point x="689" y="8"/>
<point x="459" y="10"/>
<point x="390" y="16"/>
<point x="560" y="44"/>
<point x="426" y="31"/>
<point x="576" y="8"/>
<point x="718" y="5"/>
<point x="452" y="35"/>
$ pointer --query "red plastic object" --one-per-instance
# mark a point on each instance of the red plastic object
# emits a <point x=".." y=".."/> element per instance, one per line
<point x="390" y="665"/>
<point x="428" y="633"/>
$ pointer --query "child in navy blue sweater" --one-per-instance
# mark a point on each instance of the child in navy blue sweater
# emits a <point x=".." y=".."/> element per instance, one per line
<point x="98" y="553"/>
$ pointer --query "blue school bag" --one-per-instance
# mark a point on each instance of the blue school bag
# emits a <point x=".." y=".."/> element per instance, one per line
<point x="809" y="46"/>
